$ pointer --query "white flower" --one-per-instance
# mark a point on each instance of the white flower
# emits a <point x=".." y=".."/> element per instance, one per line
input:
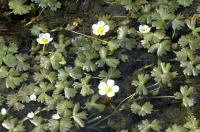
<point x="30" y="115"/>
<point x="33" y="97"/>
<point x="6" y="124"/>
<point x="44" y="38"/>
<point x="100" y="28"/>
<point x="3" y="111"/>
<point x="55" y="116"/>
<point x="109" y="88"/>
<point x="144" y="29"/>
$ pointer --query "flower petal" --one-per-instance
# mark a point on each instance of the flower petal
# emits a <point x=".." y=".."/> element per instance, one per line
<point x="102" y="92"/>
<point x="110" y="82"/>
<point x="106" y="27"/>
<point x="39" y="41"/>
<point x="102" y="85"/>
<point x="50" y="39"/>
<point x="95" y="32"/>
<point x="140" y="28"/>
<point x="111" y="94"/>
<point x="94" y="26"/>
<point x="144" y="29"/>
<point x="55" y="116"/>
<point x="115" y="88"/>
<point x="47" y="35"/>
<point x="101" y="23"/>
<point x="41" y="35"/>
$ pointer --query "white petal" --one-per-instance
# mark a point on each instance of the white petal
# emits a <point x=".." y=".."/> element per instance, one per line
<point x="30" y="115"/>
<point x="47" y="35"/>
<point x="106" y="28"/>
<point x="94" y="26"/>
<point x="101" y="23"/>
<point x="140" y="28"/>
<point x="110" y="82"/>
<point x="102" y="85"/>
<point x="111" y="94"/>
<point x="6" y="125"/>
<point x="33" y="97"/>
<point x="3" y="111"/>
<point x="41" y="35"/>
<point x="115" y="88"/>
<point x="95" y="32"/>
<point x="55" y="116"/>
<point x="50" y="39"/>
<point x="144" y="28"/>
<point x="102" y="92"/>
<point x="39" y="40"/>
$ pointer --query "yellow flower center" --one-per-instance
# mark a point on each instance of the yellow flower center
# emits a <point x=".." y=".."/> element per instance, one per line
<point x="101" y="30"/>
<point x="44" y="40"/>
<point x="108" y="89"/>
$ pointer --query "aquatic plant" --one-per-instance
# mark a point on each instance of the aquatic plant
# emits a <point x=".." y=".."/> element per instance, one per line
<point x="104" y="64"/>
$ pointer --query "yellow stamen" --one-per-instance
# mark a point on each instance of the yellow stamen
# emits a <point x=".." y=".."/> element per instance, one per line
<point x="101" y="30"/>
<point x="108" y="89"/>
<point x="44" y="40"/>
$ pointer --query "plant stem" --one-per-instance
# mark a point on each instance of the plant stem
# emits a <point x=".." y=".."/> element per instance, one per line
<point x="87" y="36"/>
<point x="94" y="119"/>
<point x="153" y="85"/>
<point x="115" y="111"/>
<point x="97" y="77"/>
<point x="35" y="113"/>
<point x="131" y="96"/>
<point x="107" y="117"/>
<point x="163" y="97"/>
<point x="120" y="16"/>
<point x="75" y="32"/>
<point x="43" y="49"/>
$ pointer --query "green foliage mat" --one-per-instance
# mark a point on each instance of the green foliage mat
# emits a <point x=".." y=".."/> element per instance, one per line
<point x="55" y="87"/>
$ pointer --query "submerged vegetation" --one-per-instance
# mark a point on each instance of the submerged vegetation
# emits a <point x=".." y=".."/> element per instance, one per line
<point x="99" y="65"/>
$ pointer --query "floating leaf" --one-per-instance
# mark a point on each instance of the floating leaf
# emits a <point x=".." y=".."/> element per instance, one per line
<point x="12" y="76"/>
<point x="85" y="87"/>
<point x="112" y="73"/>
<point x="79" y="116"/>
<point x="45" y="75"/>
<point x="192" y="124"/>
<point x="185" y="95"/>
<point x="66" y="87"/>
<point x="161" y="47"/>
<point x="178" y="22"/>
<point x="64" y="108"/>
<point x="13" y="101"/>
<point x="162" y="73"/>
<point x="185" y="3"/>
<point x="19" y="7"/>
<point x="62" y="125"/>
<point x="52" y="4"/>
<point x="140" y="84"/>
<point x="192" y="41"/>
<point x="93" y="105"/>
<point x="142" y="110"/>
<point x="146" y="126"/>
<point x="57" y="60"/>
<point x="42" y="91"/>
<point x="13" y="125"/>
<point x="40" y="125"/>
<point x="22" y="64"/>
<point x="176" y="128"/>
<point x="38" y="28"/>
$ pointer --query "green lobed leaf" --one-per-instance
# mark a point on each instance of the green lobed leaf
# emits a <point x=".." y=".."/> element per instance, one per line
<point x="19" y="7"/>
